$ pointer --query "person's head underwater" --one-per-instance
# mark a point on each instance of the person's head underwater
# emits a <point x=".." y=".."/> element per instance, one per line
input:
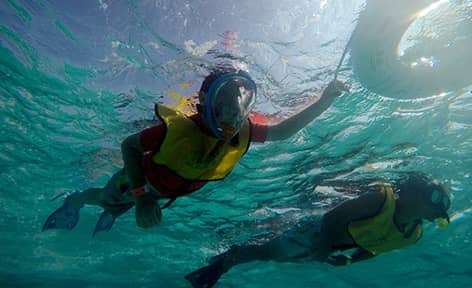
<point x="436" y="201"/>
<point x="226" y="99"/>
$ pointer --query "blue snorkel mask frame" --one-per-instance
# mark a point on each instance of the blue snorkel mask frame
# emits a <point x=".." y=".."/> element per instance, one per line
<point x="214" y="87"/>
<point x="439" y="198"/>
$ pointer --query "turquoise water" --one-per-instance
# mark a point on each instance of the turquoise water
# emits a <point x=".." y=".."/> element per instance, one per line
<point x="76" y="77"/>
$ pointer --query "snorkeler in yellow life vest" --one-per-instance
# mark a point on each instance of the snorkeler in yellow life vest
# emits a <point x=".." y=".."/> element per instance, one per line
<point x="387" y="216"/>
<point x="191" y="153"/>
<point x="185" y="148"/>
<point x="380" y="233"/>
<point x="195" y="155"/>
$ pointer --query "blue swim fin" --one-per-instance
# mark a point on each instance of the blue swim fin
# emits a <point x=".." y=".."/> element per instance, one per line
<point x="65" y="217"/>
<point x="104" y="223"/>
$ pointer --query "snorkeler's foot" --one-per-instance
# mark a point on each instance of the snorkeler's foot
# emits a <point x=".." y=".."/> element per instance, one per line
<point x="207" y="276"/>
<point x="66" y="217"/>
<point x="104" y="223"/>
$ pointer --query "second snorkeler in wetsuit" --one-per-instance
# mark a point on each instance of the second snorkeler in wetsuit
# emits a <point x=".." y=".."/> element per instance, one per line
<point x="388" y="216"/>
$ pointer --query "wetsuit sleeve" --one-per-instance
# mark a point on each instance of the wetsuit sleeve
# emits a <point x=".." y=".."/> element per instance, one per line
<point x="341" y="260"/>
<point x="259" y="127"/>
<point x="151" y="138"/>
<point x="360" y="255"/>
<point x="133" y="149"/>
<point x="132" y="157"/>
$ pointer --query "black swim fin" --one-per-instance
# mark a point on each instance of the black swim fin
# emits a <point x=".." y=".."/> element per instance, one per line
<point x="207" y="276"/>
<point x="104" y="223"/>
<point x="65" y="217"/>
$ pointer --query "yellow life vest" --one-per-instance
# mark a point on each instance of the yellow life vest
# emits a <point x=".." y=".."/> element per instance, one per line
<point x="379" y="233"/>
<point x="194" y="155"/>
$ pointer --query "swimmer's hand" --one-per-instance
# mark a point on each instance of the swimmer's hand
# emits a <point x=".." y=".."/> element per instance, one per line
<point x="338" y="260"/>
<point x="148" y="212"/>
<point x="336" y="88"/>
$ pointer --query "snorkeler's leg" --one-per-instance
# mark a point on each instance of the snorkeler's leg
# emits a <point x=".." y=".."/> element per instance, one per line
<point x="67" y="216"/>
<point x="91" y="196"/>
<point x="297" y="243"/>
<point x="99" y="196"/>
<point x="293" y="245"/>
<point x="115" y="200"/>
<point x="208" y="276"/>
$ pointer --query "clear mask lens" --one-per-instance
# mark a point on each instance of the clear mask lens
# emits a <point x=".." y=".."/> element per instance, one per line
<point x="230" y="102"/>
<point x="440" y="198"/>
<point x="435" y="197"/>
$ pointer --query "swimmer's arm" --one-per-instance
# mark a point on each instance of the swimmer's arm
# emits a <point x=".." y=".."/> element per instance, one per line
<point x="132" y="157"/>
<point x="335" y="222"/>
<point x="280" y="129"/>
<point x="134" y="147"/>
<point x="360" y="255"/>
<point x="148" y="213"/>
<point x="341" y="260"/>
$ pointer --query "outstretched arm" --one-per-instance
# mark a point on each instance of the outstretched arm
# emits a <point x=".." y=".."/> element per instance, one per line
<point x="280" y="129"/>
<point x="291" y="246"/>
<point x="333" y="232"/>
<point x="274" y="250"/>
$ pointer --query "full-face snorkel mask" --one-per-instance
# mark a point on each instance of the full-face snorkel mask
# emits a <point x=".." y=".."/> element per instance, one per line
<point x="440" y="199"/>
<point x="433" y="194"/>
<point x="228" y="103"/>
